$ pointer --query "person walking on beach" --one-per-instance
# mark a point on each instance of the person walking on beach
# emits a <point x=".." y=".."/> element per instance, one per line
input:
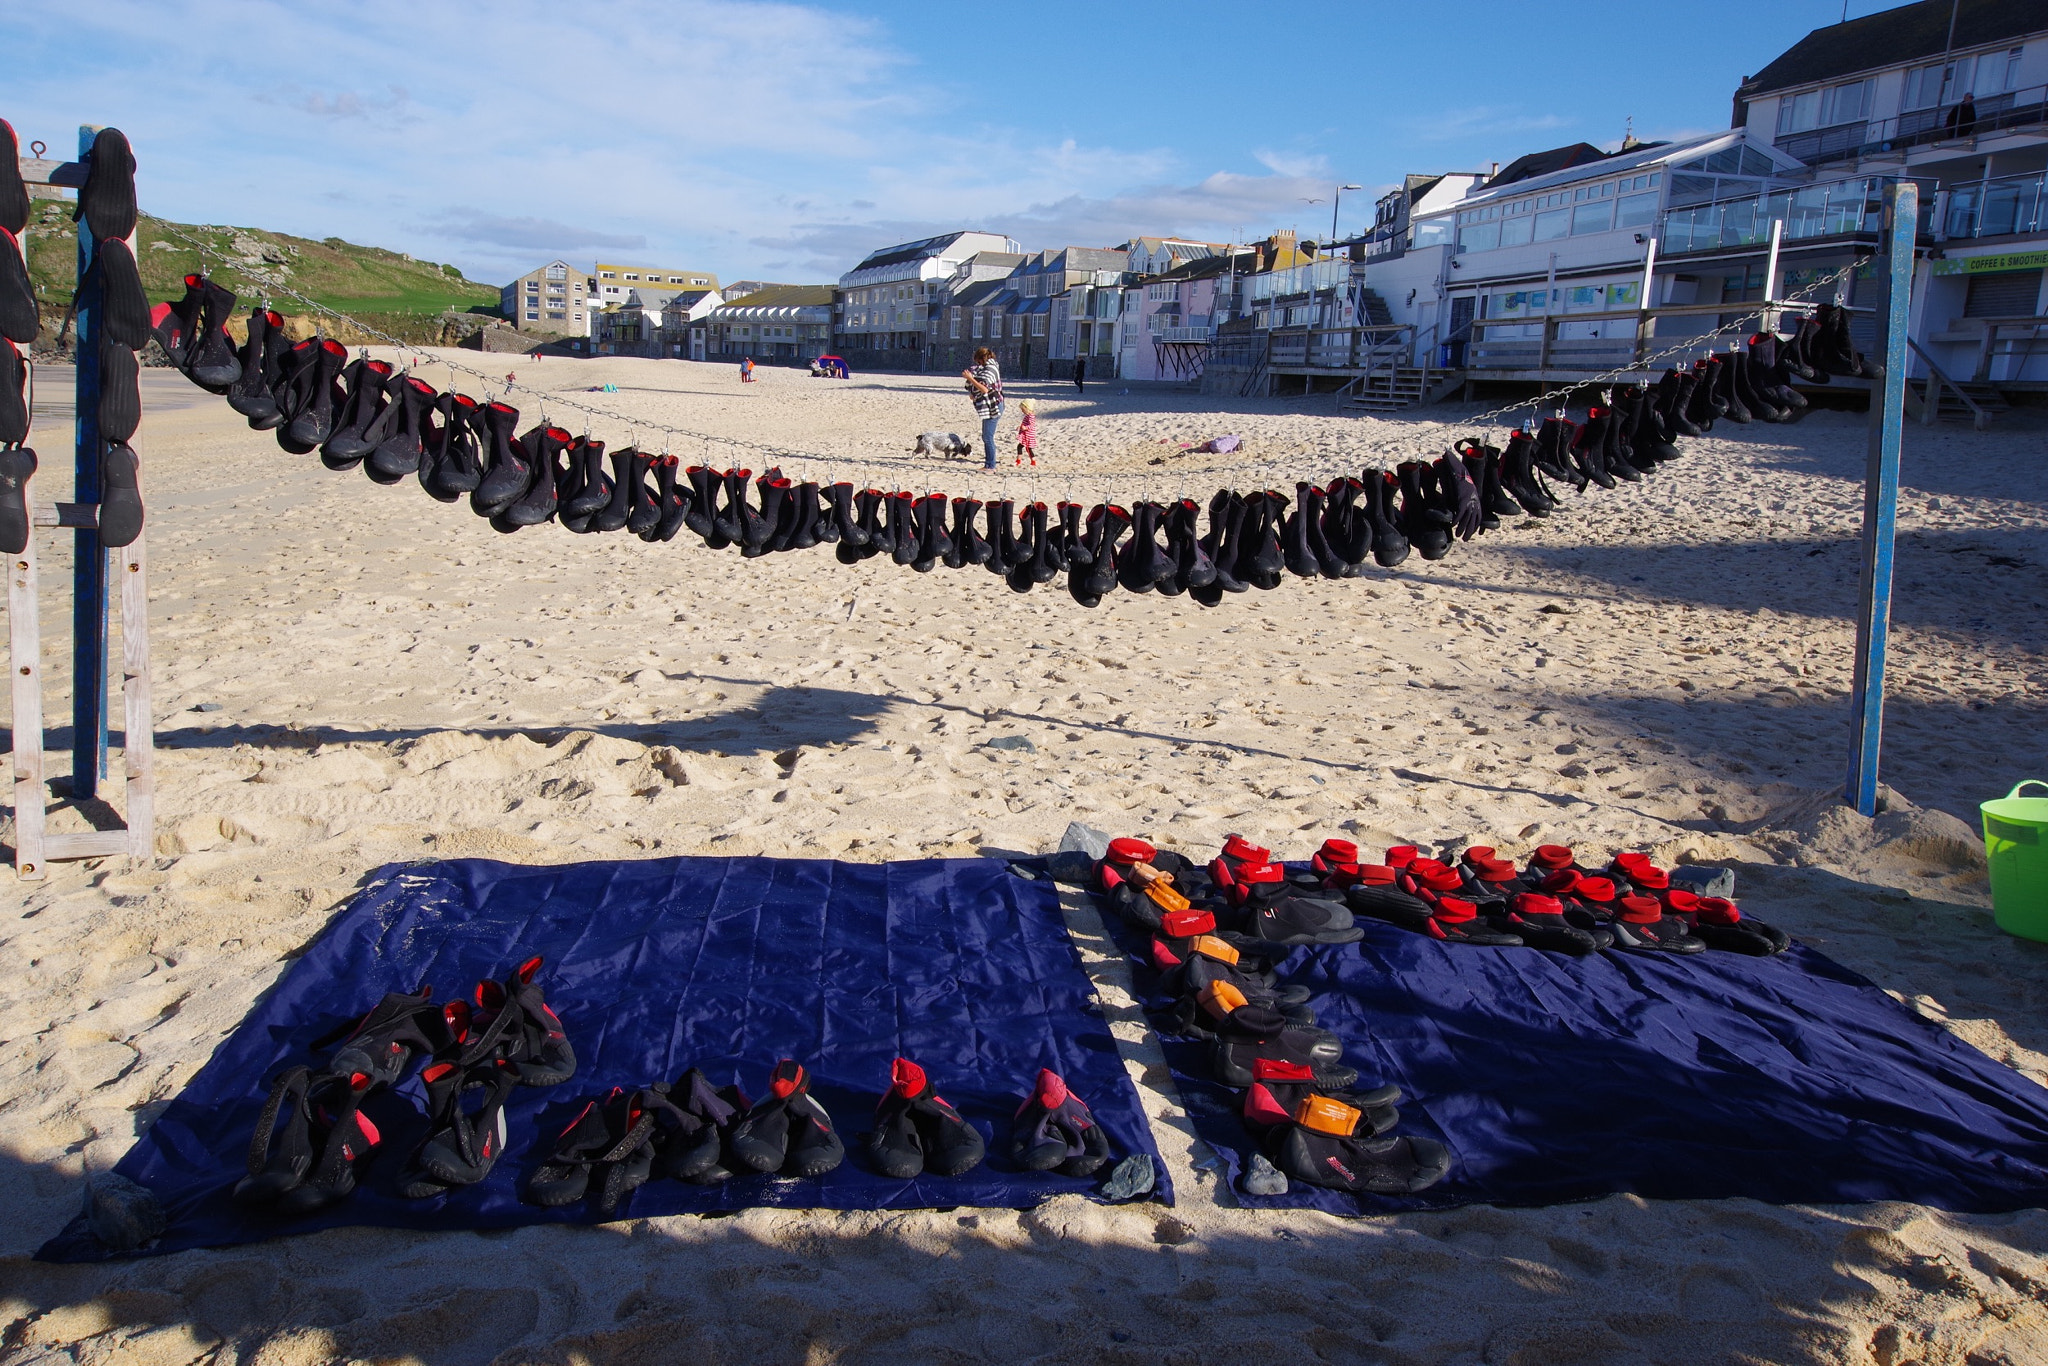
<point x="1027" y="432"/>
<point x="985" y="387"/>
<point x="1081" y="374"/>
<point x="746" y="369"/>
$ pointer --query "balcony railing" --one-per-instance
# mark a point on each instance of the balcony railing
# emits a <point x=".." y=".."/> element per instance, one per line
<point x="1184" y="334"/>
<point x="1627" y="337"/>
<point x="1994" y="208"/>
<point x="2015" y="109"/>
<point x="1834" y="209"/>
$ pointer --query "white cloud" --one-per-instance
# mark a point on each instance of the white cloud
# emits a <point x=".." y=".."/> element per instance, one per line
<point x="1297" y="165"/>
<point x="1482" y="120"/>
<point x="752" y="138"/>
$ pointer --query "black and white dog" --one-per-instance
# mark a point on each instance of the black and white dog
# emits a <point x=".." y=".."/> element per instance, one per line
<point x="942" y="443"/>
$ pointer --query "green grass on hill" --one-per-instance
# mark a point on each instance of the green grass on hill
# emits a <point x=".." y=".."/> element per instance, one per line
<point x="341" y="275"/>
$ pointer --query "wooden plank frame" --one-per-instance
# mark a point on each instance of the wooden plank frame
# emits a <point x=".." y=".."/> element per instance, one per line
<point x="34" y="847"/>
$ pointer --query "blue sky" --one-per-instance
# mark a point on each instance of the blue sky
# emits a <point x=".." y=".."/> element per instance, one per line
<point x="782" y="141"/>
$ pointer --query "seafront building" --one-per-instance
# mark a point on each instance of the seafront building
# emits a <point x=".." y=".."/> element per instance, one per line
<point x="884" y="303"/>
<point x="554" y="300"/>
<point x="1561" y="264"/>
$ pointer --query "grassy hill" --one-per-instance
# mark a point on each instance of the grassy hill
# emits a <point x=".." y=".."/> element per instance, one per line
<point x="385" y="289"/>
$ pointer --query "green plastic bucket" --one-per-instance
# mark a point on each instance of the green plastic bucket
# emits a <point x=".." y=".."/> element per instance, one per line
<point x="2016" y="846"/>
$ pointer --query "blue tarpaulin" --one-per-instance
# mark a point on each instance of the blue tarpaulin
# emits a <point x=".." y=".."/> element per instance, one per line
<point x="1787" y="1079"/>
<point x="655" y="966"/>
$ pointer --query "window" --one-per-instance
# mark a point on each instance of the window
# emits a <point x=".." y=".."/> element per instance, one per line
<point x="1552" y="224"/>
<point x="699" y="280"/>
<point x="1479" y="237"/>
<point x="1849" y="103"/>
<point x="558" y="271"/>
<point x="1594" y="217"/>
<point x="631" y="275"/>
<point x="534" y="316"/>
<point x="953" y="326"/>
<point x="579" y="317"/>
<point x="1516" y="232"/>
<point x="976" y="322"/>
<point x="608" y="274"/>
<point x="555" y="313"/>
<point x="1633" y="211"/>
<point x="533" y="286"/>
<point x="1038" y="324"/>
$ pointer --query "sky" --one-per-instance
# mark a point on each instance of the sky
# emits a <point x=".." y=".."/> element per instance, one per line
<point x="785" y="141"/>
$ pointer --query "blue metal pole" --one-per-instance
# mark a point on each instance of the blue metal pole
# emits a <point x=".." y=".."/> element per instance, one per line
<point x="1881" y="496"/>
<point x="89" y="561"/>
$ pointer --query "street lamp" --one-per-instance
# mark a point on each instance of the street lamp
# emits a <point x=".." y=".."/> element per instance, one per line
<point x="1333" y="209"/>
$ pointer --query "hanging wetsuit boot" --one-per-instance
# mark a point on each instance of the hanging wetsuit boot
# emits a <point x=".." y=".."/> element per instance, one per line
<point x="593" y="492"/>
<point x="210" y="361"/>
<point x="1001" y="536"/>
<point x="669" y="505"/>
<point x="612" y="516"/>
<point x="1193" y="567"/>
<point x="1674" y="395"/>
<point x="1457" y="493"/>
<point x="174" y="325"/>
<point x="1345" y="528"/>
<point x="509" y="473"/>
<point x="807" y="531"/>
<point x="1650" y="444"/>
<point x="1614" y="449"/>
<point x="250" y="394"/>
<point x="124" y="316"/>
<point x="1073" y="551"/>
<point x="1389" y="542"/>
<point x="844" y="522"/>
<point x="900" y="527"/>
<point x="461" y="465"/>
<point x="1107" y="523"/>
<point x="1023" y="576"/>
<point x="1588" y="448"/>
<point x="348" y="443"/>
<point x="968" y="542"/>
<point x="933" y="543"/>
<point x="1264" y="562"/>
<point x="404" y="443"/>
<point x="1493" y="494"/>
<point x="572" y="480"/>
<point x="642" y="514"/>
<point x="543" y="447"/>
<point x="1316" y="522"/>
<point x="1799" y="352"/>
<point x="316" y="396"/>
<point x="1552" y="452"/>
<point x="1045" y="559"/>
<point x="1428" y="528"/>
<point x="1518" y="477"/>
<point x="768" y="525"/>
<point x="1219" y="543"/>
<point x="1136" y="568"/>
<point x="728" y="521"/>
<point x="1294" y="549"/>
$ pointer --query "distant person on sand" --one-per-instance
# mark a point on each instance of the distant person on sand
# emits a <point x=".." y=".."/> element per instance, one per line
<point x="985" y="386"/>
<point x="1081" y="373"/>
<point x="746" y="369"/>
<point x="1027" y="432"/>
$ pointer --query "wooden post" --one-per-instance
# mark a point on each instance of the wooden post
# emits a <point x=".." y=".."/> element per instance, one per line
<point x="89" y="561"/>
<point x="24" y="639"/>
<point x="138" y="733"/>
<point x="1881" y="496"/>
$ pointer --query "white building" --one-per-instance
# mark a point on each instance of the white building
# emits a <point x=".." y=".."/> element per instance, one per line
<point x="884" y="303"/>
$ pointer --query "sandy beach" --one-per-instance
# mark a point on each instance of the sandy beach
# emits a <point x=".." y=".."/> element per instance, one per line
<point x="347" y="675"/>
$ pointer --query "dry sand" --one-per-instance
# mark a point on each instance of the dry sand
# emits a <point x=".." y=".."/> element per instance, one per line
<point x="1663" y="667"/>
